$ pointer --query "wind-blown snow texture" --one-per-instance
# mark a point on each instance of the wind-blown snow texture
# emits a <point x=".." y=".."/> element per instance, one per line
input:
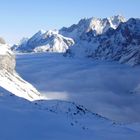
<point x="120" y="42"/>
<point x="95" y="25"/>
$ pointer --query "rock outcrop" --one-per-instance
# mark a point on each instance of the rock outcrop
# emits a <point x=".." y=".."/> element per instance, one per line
<point x="7" y="59"/>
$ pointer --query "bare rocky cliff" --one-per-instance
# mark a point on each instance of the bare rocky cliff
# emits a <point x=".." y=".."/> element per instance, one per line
<point x="7" y="62"/>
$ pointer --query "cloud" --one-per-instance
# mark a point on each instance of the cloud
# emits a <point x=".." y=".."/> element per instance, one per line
<point x="55" y="95"/>
<point x="102" y="87"/>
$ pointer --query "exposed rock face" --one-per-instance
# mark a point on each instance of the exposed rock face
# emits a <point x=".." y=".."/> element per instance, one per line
<point x="7" y="62"/>
<point x="7" y="59"/>
<point x="106" y="39"/>
<point x="96" y="26"/>
<point x="2" y="41"/>
<point x="122" y="44"/>
<point x="86" y="31"/>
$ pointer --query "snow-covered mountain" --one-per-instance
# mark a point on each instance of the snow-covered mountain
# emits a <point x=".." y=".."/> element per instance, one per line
<point x="122" y="44"/>
<point x="92" y="25"/>
<point x="10" y="80"/>
<point x="116" y="39"/>
<point x="45" y="41"/>
<point x="111" y="38"/>
<point x="86" y="31"/>
<point x="62" y="40"/>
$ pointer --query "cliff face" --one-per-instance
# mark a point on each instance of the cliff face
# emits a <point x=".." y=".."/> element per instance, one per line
<point x="7" y="58"/>
<point x="7" y="62"/>
<point x="122" y="44"/>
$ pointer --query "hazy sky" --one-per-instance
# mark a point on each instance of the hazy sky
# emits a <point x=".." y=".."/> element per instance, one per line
<point x="21" y="18"/>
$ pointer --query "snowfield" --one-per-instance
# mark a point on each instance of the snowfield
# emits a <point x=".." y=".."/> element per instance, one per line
<point x="103" y="87"/>
<point x="17" y="86"/>
<point x="56" y="120"/>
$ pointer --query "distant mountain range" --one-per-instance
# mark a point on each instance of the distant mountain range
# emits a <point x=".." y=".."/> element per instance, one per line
<point x="44" y="41"/>
<point x="111" y="38"/>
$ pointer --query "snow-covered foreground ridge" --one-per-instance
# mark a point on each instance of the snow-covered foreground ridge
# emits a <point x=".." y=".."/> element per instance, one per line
<point x="10" y="80"/>
<point x="56" y="120"/>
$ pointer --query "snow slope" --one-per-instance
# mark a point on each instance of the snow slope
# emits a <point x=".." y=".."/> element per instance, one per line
<point x="95" y="25"/>
<point x="56" y="120"/>
<point x="104" y="40"/>
<point x="49" y="41"/>
<point x="10" y="80"/>
<point x="19" y="87"/>
<point x="58" y="41"/>
<point x="122" y="44"/>
<point x="102" y="87"/>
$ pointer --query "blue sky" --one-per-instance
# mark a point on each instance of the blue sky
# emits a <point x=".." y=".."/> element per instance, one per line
<point x="21" y="18"/>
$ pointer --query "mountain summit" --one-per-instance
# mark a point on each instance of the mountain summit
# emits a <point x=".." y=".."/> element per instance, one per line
<point x="122" y="44"/>
<point x="62" y="40"/>
<point x="95" y="25"/>
<point x="45" y="41"/>
<point x="111" y="38"/>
